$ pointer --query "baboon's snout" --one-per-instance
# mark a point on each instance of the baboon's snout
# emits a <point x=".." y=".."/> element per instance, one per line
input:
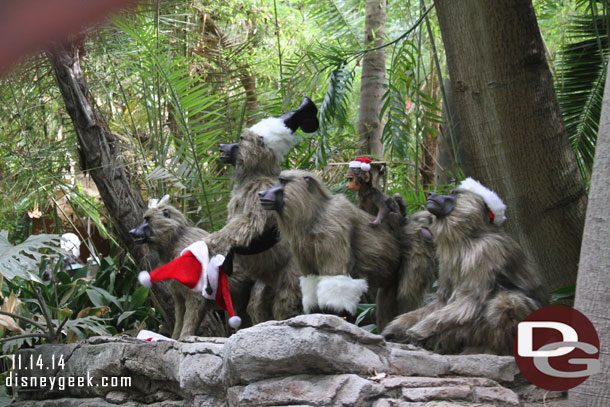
<point x="272" y="199"/>
<point x="440" y="205"/>
<point x="141" y="233"/>
<point x="228" y="153"/>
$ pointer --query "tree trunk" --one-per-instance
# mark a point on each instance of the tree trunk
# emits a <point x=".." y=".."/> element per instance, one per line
<point x="99" y="149"/>
<point x="100" y="156"/>
<point x="372" y="80"/>
<point x="592" y="294"/>
<point x="510" y="125"/>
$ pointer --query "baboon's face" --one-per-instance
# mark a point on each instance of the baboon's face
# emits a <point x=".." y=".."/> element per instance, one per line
<point x="295" y="189"/>
<point x="273" y="199"/>
<point x="462" y="210"/>
<point x="250" y="152"/>
<point x="160" y="224"/>
<point x="356" y="178"/>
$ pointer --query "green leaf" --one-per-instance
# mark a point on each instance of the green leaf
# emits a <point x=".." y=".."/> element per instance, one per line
<point x="96" y="298"/>
<point x="124" y="316"/>
<point x="138" y="297"/>
<point x="580" y="85"/>
<point x="22" y="260"/>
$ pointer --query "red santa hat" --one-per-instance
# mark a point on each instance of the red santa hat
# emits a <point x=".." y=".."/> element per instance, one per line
<point x="496" y="206"/>
<point x="364" y="163"/>
<point x="194" y="269"/>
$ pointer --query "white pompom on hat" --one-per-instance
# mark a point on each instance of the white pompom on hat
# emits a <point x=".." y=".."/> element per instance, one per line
<point x="364" y="163"/>
<point x="497" y="208"/>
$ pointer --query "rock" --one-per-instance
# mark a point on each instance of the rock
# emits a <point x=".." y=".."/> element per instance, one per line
<point x="306" y="361"/>
<point x="201" y="368"/>
<point x="496" y="394"/>
<point x="333" y="390"/>
<point x="437" y="393"/>
<point x="321" y="344"/>
<point x="408" y="361"/>
<point x="500" y="368"/>
<point x="203" y="400"/>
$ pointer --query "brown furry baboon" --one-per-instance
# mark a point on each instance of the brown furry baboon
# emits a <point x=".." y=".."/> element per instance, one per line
<point x="371" y="199"/>
<point x="419" y="268"/>
<point x="168" y="232"/>
<point x="250" y="234"/>
<point x="331" y="240"/>
<point x="486" y="283"/>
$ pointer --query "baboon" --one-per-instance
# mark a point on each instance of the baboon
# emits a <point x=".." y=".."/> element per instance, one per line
<point x="419" y="266"/>
<point x="251" y="234"/>
<point x="168" y="232"/>
<point x="371" y="199"/>
<point x="331" y="240"/>
<point x="486" y="283"/>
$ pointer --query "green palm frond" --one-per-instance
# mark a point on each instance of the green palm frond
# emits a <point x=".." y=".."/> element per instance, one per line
<point x="580" y="85"/>
<point x="339" y="19"/>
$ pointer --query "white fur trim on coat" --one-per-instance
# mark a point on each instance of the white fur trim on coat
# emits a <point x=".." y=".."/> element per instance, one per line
<point x="309" y="290"/>
<point x="492" y="200"/>
<point x="200" y="251"/>
<point x="277" y="136"/>
<point x="341" y="293"/>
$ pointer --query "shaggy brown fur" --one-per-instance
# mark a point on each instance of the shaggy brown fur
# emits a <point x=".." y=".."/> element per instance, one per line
<point x="328" y="235"/>
<point x="418" y="249"/>
<point x="486" y="285"/>
<point x="169" y="233"/>
<point x="256" y="168"/>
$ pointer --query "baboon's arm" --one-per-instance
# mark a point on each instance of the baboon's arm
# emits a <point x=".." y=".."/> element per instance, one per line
<point x="462" y="310"/>
<point x="239" y="231"/>
<point x="397" y="329"/>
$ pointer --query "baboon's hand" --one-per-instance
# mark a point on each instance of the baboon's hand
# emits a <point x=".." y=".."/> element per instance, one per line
<point x="412" y="337"/>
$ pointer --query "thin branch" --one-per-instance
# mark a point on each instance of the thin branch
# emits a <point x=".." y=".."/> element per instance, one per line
<point x="421" y="18"/>
<point x="45" y="311"/>
<point x="28" y="320"/>
<point x="13" y="338"/>
<point x="60" y="327"/>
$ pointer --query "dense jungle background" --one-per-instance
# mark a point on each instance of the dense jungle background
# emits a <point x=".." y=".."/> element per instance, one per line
<point x="134" y="108"/>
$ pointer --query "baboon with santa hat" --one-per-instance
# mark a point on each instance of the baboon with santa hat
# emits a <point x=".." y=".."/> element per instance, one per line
<point x="486" y="284"/>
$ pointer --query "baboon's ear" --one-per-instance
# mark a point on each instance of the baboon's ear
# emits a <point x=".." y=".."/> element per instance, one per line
<point x="307" y="179"/>
<point x="367" y="176"/>
<point x="260" y="140"/>
<point x="166" y="213"/>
